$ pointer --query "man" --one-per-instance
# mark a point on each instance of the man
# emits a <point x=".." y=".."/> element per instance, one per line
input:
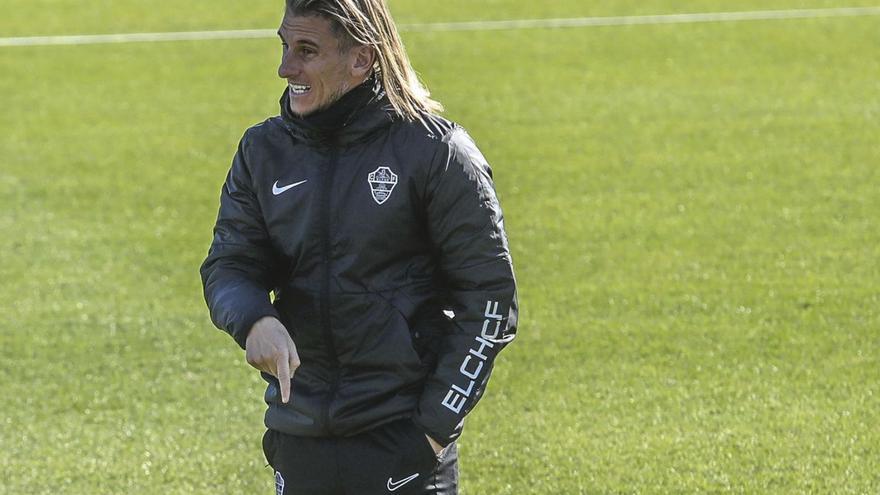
<point x="375" y="224"/>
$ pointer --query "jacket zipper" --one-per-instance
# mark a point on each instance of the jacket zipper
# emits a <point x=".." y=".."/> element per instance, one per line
<point x="327" y="186"/>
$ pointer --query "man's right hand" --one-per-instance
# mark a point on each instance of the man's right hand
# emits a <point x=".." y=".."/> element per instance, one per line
<point x="269" y="348"/>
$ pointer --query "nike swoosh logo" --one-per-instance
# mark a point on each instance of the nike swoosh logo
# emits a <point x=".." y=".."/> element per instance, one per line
<point x="278" y="190"/>
<point x="395" y="485"/>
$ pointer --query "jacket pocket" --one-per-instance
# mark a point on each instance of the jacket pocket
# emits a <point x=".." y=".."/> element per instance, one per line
<point x="270" y="446"/>
<point x="422" y="449"/>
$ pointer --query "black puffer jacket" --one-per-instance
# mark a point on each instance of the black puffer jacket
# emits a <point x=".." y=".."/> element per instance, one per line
<point x="384" y="245"/>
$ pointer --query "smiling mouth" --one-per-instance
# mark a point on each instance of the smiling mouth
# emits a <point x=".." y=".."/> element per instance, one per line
<point x="298" y="89"/>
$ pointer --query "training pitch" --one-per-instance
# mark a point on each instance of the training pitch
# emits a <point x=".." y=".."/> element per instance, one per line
<point x="693" y="211"/>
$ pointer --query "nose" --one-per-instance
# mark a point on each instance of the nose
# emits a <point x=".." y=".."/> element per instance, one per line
<point x="288" y="67"/>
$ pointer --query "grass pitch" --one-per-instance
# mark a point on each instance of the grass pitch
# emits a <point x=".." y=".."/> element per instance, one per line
<point x="693" y="213"/>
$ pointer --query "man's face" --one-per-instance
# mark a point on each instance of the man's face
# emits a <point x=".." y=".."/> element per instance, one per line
<point x="317" y="73"/>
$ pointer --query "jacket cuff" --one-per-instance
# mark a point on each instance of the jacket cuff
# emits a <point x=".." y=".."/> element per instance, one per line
<point x="241" y="331"/>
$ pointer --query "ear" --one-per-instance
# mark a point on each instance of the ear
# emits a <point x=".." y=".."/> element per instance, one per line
<point x="363" y="59"/>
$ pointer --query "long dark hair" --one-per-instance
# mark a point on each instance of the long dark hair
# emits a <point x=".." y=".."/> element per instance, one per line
<point x="369" y="22"/>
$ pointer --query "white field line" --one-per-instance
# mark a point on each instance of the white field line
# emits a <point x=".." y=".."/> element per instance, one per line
<point x="756" y="15"/>
<point x="632" y="20"/>
<point x="93" y="39"/>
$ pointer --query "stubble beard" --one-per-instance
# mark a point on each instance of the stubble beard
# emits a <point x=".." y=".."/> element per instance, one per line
<point x="334" y="97"/>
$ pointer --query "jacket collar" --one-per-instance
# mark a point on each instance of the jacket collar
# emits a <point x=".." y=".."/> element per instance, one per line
<point x="357" y="114"/>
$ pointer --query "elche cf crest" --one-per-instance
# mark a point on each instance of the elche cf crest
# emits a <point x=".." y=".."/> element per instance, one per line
<point x="382" y="182"/>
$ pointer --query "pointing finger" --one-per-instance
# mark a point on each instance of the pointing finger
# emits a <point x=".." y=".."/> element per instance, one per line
<point x="283" y="367"/>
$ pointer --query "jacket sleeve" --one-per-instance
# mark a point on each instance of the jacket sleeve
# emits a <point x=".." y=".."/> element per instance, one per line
<point x="466" y="227"/>
<point x="237" y="274"/>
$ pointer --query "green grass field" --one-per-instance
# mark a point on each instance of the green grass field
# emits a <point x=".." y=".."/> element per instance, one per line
<point x="693" y="212"/>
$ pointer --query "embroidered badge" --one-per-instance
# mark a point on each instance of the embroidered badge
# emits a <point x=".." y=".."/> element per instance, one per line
<point x="382" y="182"/>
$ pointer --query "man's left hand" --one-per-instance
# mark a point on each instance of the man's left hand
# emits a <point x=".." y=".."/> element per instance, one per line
<point x="434" y="445"/>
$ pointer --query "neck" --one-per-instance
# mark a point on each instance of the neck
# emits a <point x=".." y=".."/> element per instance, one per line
<point x="339" y="113"/>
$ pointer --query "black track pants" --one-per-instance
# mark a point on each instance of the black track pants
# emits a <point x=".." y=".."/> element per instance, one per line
<point x="392" y="459"/>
